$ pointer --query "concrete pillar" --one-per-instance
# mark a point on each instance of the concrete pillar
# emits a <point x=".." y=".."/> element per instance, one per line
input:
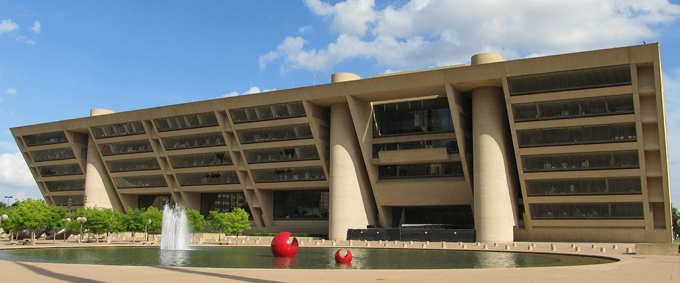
<point x="493" y="171"/>
<point x="343" y="77"/>
<point x="98" y="187"/>
<point x="351" y="199"/>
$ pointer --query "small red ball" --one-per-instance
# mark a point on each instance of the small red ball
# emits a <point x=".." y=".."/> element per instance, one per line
<point x="340" y="259"/>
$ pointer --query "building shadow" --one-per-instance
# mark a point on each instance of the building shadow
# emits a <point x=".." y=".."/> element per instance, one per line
<point x="60" y="276"/>
<point x="223" y="276"/>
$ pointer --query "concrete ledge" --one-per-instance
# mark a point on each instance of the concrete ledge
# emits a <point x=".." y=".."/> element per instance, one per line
<point x="658" y="249"/>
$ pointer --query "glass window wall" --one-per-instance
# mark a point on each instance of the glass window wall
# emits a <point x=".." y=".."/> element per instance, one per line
<point x="140" y="181"/>
<point x="223" y="202"/>
<point x="307" y="152"/>
<point x="288" y="132"/>
<point x="127" y="147"/>
<point x="587" y="210"/>
<point x="424" y="170"/>
<point x="65" y="185"/>
<point x="450" y="144"/>
<point x="193" y="141"/>
<point x="45" y="138"/>
<point x="577" y="135"/>
<point x="572" y="108"/>
<point x="456" y="217"/>
<point x="117" y="130"/>
<point x="570" y="80"/>
<point x="412" y="117"/>
<point x="139" y="164"/>
<point x="581" y="161"/>
<point x="591" y="186"/>
<point x="311" y="205"/>
<point x="207" y="178"/>
<point x="60" y="170"/>
<point x="74" y="200"/>
<point x="289" y="174"/>
<point x="190" y="121"/>
<point x="157" y="201"/>
<point x="268" y="112"/>
<point x="53" y="154"/>
<point x="200" y="160"/>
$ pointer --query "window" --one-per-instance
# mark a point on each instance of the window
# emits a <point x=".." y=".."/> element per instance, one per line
<point x="200" y="160"/>
<point x="587" y="211"/>
<point x="289" y="174"/>
<point x="133" y="164"/>
<point x="60" y="170"/>
<point x="207" y="178"/>
<point x="53" y="154"/>
<point x="45" y="138"/>
<point x="289" y="132"/>
<point x="424" y="170"/>
<point x="590" y="186"/>
<point x="581" y="161"/>
<point x="66" y="185"/>
<point x="572" y="108"/>
<point x="190" y="121"/>
<point x="311" y="205"/>
<point x="577" y="135"/>
<point x="307" y="152"/>
<point x="139" y="181"/>
<point x="73" y="200"/>
<point x="193" y="141"/>
<point x="412" y="117"/>
<point x="116" y="130"/>
<point x="570" y="80"/>
<point x="223" y="202"/>
<point x="450" y="144"/>
<point x="127" y="147"/>
<point x="268" y="112"/>
<point x="157" y="201"/>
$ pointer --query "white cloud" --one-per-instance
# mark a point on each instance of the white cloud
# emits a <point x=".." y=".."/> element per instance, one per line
<point x="306" y="29"/>
<point x="11" y="91"/>
<point x="250" y="91"/>
<point x="31" y="42"/>
<point x="8" y="25"/>
<point x="36" y="27"/>
<point x="14" y="171"/>
<point x="438" y="32"/>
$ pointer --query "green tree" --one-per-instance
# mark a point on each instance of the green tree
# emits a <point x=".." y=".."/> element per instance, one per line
<point x="219" y="221"/>
<point x="56" y="221"/>
<point x="195" y="219"/>
<point x="132" y="221"/>
<point x="31" y="214"/>
<point x="676" y="228"/>
<point x="9" y="225"/>
<point x="156" y="217"/>
<point x="238" y="221"/>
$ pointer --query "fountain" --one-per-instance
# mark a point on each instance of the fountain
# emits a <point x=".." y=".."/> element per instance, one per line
<point x="174" y="236"/>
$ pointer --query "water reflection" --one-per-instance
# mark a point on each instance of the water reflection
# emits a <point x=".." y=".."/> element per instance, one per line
<point x="496" y="260"/>
<point x="285" y="262"/>
<point x="174" y="258"/>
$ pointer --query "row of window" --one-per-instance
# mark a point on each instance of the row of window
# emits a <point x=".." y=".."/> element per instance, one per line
<point x="190" y="121"/>
<point x="53" y="154"/>
<point x="139" y="164"/>
<point x="126" y="147"/>
<point x="65" y="185"/>
<point x="570" y="80"/>
<point x="210" y="178"/>
<point x="312" y="204"/>
<point x="268" y="112"/>
<point x="193" y="141"/>
<point x="295" y="174"/>
<point x="288" y="132"/>
<point x="412" y="117"/>
<point x="572" y="108"/>
<point x="74" y="200"/>
<point x="307" y="152"/>
<point x="140" y="181"/>
<point x="424" y="170"/>
<point x="580" y="161"/>
<point x="45" y="138"/>
<point x="587" y="210"/>
<point x="450" y="144"/>
<point x="200" y="160"/>
<point x="60" y="170"/>
<point x="223" y="202"/>
<point x="117" y="130"/>
<point x="592" y="186"/>
<point x="577" y="135"/>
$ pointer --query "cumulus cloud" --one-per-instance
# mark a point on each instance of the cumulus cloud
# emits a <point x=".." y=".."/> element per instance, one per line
<point x="11" y="91"/>
<point x="250" y="91"/>
<point x="421" y="33"/>
<point x="7" y="25"/>
<point x="14" y="172"/>
<point x="36" y="27"/>
<point x="306" y="29"/>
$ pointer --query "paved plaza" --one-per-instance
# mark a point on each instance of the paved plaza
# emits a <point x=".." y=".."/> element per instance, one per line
<point x="630" y="268"/>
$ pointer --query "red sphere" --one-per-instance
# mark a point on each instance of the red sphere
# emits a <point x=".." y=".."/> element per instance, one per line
<point x="281" y="247"/>
<point x="340" y="259"/>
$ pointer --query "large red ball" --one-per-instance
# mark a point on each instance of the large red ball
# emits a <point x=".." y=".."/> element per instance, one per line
<point x="281" y="247"/>
<point x="340" y="259"/>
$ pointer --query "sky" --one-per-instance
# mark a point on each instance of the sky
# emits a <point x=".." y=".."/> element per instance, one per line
<point x="59" y="59"/>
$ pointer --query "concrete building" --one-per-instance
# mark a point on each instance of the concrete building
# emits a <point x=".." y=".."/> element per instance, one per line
<point x="563" y="148"/>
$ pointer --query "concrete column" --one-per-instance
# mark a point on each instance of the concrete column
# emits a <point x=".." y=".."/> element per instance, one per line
<point x="98" y="187"/>
<point x="493" y="171"/>
<point x="351" y="199"/>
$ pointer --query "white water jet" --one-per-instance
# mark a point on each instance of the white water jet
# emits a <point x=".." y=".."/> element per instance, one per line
<point x="175" y="233"/>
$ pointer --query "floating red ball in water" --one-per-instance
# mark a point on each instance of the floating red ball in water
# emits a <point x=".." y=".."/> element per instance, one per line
<point x="340" y="259"/>
<point x="281" y="247"/>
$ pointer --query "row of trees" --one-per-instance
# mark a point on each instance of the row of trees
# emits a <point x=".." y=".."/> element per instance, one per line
<point x="33" y="214"/>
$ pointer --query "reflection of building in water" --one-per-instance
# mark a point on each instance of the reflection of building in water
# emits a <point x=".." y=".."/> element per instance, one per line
<point x="558" y="148"/>
<point x="499" y="260"/>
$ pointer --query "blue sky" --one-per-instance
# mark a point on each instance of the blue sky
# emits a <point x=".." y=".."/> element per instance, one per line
<point x="60" y="59"/>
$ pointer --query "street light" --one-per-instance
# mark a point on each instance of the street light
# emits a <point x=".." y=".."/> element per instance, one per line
<point x="81" y="220"/>
<point x="146" y="234"/>
<point x="2" y="218"/>
<point x="8" y="197"/>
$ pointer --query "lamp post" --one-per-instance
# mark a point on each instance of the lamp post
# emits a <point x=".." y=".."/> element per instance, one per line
<point x="146" y="226"/>
<point x="68" y="221"/>
<point x="81" y="220"/>
<point x="8" y="197"/>
<point x="2" y="218"/>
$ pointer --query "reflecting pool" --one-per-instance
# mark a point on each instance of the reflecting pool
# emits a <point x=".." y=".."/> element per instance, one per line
<point x="306" y="258"/>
